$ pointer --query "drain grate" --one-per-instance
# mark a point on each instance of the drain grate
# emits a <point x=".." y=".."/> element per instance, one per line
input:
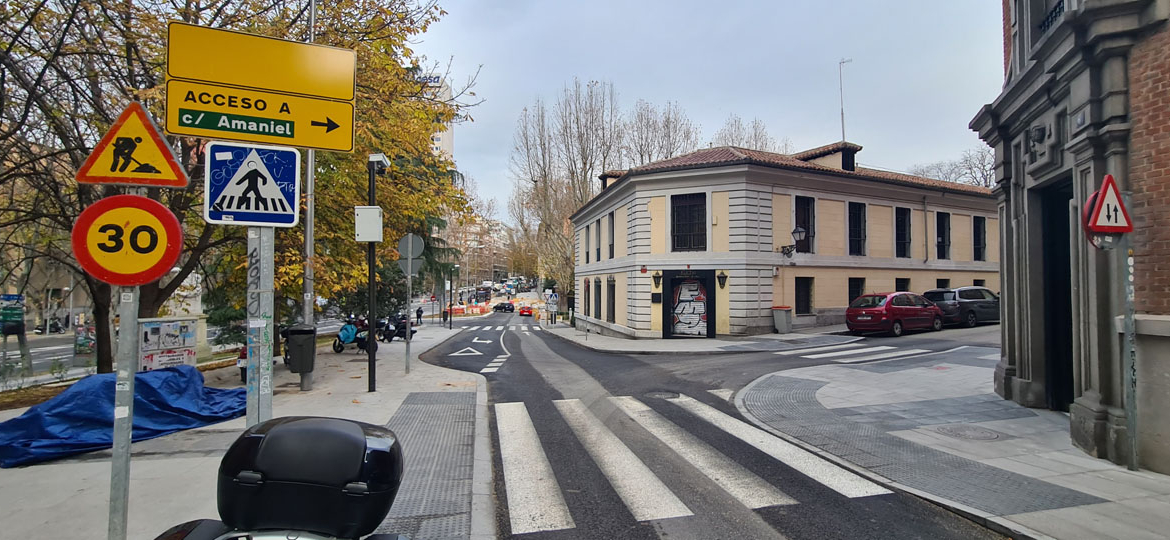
<point x="970" y="433"/>
<point x="662" y="395"/>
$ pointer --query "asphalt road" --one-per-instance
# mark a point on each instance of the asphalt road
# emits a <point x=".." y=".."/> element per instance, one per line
<point x="589" y="445"/>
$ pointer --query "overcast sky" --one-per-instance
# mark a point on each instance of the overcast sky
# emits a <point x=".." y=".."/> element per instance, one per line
<point x="920" y="71"/>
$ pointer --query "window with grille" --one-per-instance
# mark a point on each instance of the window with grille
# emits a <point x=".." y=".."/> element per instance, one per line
<point x="979" y="236"/>
<point x="611" y="298"/>
<point x="942" y="230"/>
<point x="806" y="218"/>
<point x="856" y="288"/>
<point x="586" y="235"/>
<point x="980" y="283"/>
<point x="942" y="283"/>
<point x="856" y="229"/>
<point x="597" y="298"/>
<point x="804" y="299"/>
<point x="611" y="234"/>
<point x="597" y="229"/>
<point x="688" y="218"/>
<point x="902" y="232"/>
<point x="901" y="284"/>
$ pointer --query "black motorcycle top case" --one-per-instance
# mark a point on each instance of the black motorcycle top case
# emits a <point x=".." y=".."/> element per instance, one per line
<point x="324" y="475"/>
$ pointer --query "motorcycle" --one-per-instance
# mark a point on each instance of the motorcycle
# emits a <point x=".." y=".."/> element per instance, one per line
<point x="303" y="477"/>
<point x="351" y="333"/>
<point x="398" y="329"/>
<point x="54" y="327"/>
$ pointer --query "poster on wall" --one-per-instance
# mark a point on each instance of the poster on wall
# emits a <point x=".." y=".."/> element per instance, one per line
<point x="166" y="343"/>
<point x="689" y="308"/>
<point x="167" y="358"/>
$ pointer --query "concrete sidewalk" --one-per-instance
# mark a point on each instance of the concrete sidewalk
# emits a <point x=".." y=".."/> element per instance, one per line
<point x="932" y="426"/>
<point x="440" y="415"/>
<point x="721" y="345"/>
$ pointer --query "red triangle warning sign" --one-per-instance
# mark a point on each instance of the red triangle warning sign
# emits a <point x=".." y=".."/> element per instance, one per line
<point x="133" y="152"/>
<point x="1109" y="213"/>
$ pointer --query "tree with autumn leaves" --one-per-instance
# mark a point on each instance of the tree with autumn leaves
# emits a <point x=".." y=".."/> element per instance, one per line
<point x="70" y="67"/>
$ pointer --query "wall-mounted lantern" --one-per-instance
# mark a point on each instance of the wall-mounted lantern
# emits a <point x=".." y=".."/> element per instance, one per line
<point x="798" y="236"/>
<point x="722" y="278"/>
<point x="657" y="279"/>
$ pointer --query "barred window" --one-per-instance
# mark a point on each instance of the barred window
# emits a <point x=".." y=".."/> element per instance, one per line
<point x="688" y="217"/>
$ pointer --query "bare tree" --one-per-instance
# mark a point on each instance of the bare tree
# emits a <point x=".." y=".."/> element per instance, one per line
<point x="733" y="133"/>
<point x="588" y="134"/>
<point x="677" y="134"/>
<point x="643" y="134"/>
<point x="975" y="167"/>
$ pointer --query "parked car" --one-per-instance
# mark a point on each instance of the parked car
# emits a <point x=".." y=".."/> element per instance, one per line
<point x="526" y="311"/>
<point x="893" y="313"/>
<point x="966" y="305"/>
<point x="505" y="307"/>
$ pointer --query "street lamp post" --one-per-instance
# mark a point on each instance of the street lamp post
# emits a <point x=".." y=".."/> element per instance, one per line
<point x="377" y="164"/>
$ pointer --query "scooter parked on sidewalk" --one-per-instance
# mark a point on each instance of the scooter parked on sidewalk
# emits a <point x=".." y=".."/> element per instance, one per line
<point x="351" y="333"/>
<point x="303" y="477"/>
<point x="54" y="327"/>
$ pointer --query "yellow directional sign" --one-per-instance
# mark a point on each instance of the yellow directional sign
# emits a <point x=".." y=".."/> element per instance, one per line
<point x="223" y="112"/>
<point x="231" y="85"/>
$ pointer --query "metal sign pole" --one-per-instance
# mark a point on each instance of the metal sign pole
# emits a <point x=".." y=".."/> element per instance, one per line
<point x="1130" y="352"/>
<point x="310" y="168"/>
<point x="409" y="291"/>
<point x="260" y="326"/>
<point x="127" y="364"/>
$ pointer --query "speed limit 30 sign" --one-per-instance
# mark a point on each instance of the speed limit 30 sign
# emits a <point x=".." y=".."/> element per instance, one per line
<point x="127" y="240"/>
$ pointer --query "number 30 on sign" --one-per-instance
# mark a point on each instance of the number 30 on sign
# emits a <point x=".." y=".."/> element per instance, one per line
<point x="127" y="240"/>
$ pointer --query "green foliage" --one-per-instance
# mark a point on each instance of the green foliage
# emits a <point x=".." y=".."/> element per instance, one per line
<point x="391" y="295"/>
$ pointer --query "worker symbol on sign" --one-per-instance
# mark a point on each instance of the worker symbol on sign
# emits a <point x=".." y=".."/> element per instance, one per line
<point x="124" y="148"/>
<point x="252" y="185"/>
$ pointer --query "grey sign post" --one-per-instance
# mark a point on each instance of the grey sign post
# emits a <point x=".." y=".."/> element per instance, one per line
<point x="127" y="362"/>
<point x="261" y="247"/>
<point x="410" y="248"/>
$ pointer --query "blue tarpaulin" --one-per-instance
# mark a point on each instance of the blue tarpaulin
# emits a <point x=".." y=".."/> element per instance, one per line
<point x="81" y="419"/>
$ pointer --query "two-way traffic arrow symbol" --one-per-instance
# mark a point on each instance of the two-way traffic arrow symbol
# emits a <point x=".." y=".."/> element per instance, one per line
<point x="328" y="124"/>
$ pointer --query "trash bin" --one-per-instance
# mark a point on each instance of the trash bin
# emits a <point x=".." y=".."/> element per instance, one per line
<point x="302" y="348"/>
<point x="782" y="319"/>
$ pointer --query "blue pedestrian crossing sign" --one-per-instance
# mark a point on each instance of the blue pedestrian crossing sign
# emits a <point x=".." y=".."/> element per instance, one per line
<point x="250" y="184"/>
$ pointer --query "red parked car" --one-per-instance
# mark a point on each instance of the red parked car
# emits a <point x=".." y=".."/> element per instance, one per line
<point x="893" y="313"/>
<point x="525" y="311"/>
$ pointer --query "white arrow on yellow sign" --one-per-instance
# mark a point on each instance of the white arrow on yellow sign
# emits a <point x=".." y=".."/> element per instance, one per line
<point x="222" y="112"/>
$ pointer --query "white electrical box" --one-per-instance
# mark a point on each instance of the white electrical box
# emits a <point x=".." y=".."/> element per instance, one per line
<point x="367" y="223"/>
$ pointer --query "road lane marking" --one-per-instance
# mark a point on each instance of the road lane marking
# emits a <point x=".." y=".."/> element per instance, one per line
<point x="808" y="464"/>
<point x="851" y="351"/>
<point x="893" y="354"/>
<point x="534" y="327"/>
<point x="723" y="393"/>
<point x="477" y="340"/>
<point x="489" y="370"/>
<point x="466" y="351"/>
<point x="497" y="328"/>
<point x="524" y="327"/>
<point x="747" y="488"/>
<point x="820" y="349"/>
<point x="472" y="328"/>
<point x="644" y="494"/>
<point x="495" y="363"/>
<point x="535" y="503"/>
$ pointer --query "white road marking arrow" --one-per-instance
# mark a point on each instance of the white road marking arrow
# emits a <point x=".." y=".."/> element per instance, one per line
<point x="477" y="340"/>
<point x="467" y="351"/>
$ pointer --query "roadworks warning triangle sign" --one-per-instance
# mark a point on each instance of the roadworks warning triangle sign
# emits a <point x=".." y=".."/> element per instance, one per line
<point x="133" y="152"/>
<point x="1109" y="213"/>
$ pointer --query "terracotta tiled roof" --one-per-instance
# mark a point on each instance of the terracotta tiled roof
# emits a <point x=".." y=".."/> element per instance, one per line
<point x="732" y="155"/>
<point x="826" y="150"/>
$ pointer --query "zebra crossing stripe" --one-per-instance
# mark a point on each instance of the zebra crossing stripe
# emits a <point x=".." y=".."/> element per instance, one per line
<point x="850" y="351"/>
<point x="644" y="494"/>
<point x="496" y="363"/>
<point x="534" y="498"/>
<point x="819" y="349"/>
<point x="534" y="327"/>
<point x="497" y="328"/>
<point x="524" y="328"/>
<point x="489" y="370"/>
<point x="894" y="354"/>
<point x="723" y="393"/>
<point x="749" y="489"/>
<point x="472" y="328"/>
<point x="829" y="474"/>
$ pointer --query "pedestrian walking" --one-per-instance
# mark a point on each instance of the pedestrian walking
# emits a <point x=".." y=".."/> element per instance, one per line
<point x="418" y="315"/>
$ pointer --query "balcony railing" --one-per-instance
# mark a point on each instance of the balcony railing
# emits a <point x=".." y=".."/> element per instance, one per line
<point x="1052" y="18"/>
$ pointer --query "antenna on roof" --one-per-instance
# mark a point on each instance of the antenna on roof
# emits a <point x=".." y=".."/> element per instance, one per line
<point x="841" y="88"/>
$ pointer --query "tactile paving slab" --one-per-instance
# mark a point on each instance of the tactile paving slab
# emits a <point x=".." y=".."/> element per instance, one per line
<point x="437" y="432"/>
<point x="790" y="406"/>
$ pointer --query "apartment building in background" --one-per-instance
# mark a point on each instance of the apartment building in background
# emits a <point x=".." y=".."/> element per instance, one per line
<point x="703" y="244"/>
<point x="443" y="139"/>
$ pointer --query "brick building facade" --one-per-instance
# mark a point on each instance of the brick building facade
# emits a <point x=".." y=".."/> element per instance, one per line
<point x="1087" y="93"/>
